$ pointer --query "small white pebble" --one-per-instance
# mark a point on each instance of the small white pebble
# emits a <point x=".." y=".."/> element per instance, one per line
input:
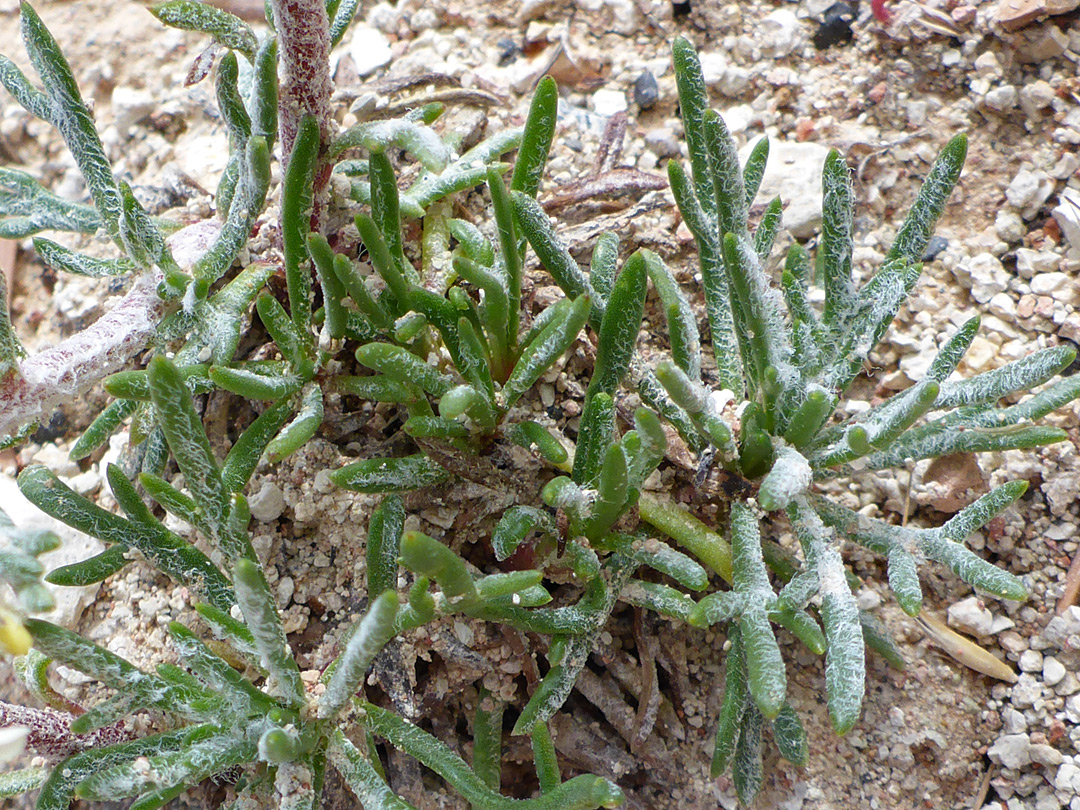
<point x="1031" y="661"/>
<point x="1053" y="671"/>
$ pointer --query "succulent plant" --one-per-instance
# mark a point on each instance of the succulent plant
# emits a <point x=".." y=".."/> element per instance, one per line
<point x="436" y="326"/>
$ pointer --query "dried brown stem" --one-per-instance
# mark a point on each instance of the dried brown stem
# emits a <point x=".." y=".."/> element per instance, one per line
<point x="1072" y="586"/>
<point x="609" y="185"/>
<point x="611" y="143"/>
<point x="586" y="749"/>
<point x="649" y="698"/>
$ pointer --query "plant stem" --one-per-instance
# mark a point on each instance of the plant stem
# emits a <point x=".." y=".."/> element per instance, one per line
<point x="50" y="732"/>
<point x="304" y="44"/>
<point x="65" y="372"/>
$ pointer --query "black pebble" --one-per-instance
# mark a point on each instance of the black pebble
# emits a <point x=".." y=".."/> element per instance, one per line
<point x="508" y="51"/>
<point x="645" y="91"/>
<point x="835" y="28"/>
<point x="55" y="429"/>
<point x="934" y="247"/>
<point x="680" y="8"/>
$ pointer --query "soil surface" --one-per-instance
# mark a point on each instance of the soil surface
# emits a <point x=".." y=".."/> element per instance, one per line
<point x="888" y="93"/>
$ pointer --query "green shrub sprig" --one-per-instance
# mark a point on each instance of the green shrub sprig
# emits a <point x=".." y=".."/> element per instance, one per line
<point x="439" y="329"/>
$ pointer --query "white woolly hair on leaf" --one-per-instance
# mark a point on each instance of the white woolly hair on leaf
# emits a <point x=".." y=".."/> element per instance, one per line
<point x="789" y="477"/>
<point x="371" y="635"/>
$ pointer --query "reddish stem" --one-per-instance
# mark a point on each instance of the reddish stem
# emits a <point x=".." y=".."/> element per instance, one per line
<point x="304" y="45"/>
<point x="50" y="731"/>
<point x="1072" y="587"/>
<point x="881" y="13"/>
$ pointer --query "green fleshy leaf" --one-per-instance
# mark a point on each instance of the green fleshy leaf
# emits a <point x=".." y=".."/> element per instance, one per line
<point x="536" y="140"/>
<point x="296" y="202"/>
<point x="226" y="29"/>
<point x="390" y="474"/>
<point x="72" y="117"/>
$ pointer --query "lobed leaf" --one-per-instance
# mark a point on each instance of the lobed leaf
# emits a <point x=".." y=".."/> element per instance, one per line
<point x="976" y="515"/>
<point x="218" y="675"/>
<point x="59" y="789"/>
<point x="27" y="207"/>
<point x="1019" y="375"/>
<point x="972" y="568"/>
<point x="15" y="82"/>
<point x="170" y="553"/>
<point x="197" y="761"/>
<point x="468" y="171"/>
